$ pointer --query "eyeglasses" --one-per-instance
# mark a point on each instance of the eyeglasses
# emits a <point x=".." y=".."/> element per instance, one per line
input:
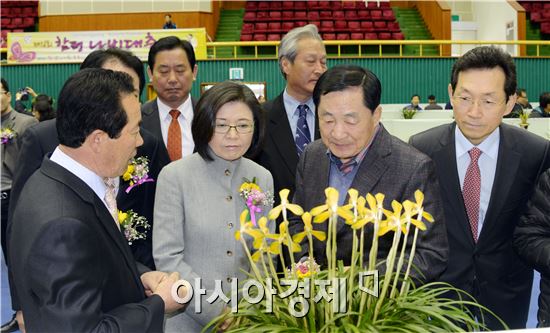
<point x="240" y="128"/>
<point x="485" y="104"/>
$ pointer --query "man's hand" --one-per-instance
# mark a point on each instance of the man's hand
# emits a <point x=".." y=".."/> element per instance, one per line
<point x="151" y="280"/>
<point x="31" y="92"/>
<point x="20" y="321"/>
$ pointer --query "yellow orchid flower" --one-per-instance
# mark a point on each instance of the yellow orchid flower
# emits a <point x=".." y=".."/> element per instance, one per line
<point x="410" y="211"/>
<point x="285" y="204"/>
<point x="249" y="186"/>
<point x="280" y="239"/>
<point x="129" y="172"/>
<point x="419" y="198"/>
<point x="260" y="233"/>
<point x="244" y="225"/>
<point x="366" y="215"/>
<point x="393" y="219"/>
<point x="122" y="216"/>
<point x="308" y="229"/>
<point x="323" y="212"/>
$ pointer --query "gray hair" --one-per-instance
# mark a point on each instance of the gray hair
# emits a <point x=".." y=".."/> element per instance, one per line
<point x="288" y="48"/>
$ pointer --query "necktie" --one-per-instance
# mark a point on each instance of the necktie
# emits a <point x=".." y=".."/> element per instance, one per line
<point x="472" y="189"/>
<point x="347" y="167"/>
<point x="302" y="129"/>
<point x="174" y="137"/>
<point x="110" y="198"/>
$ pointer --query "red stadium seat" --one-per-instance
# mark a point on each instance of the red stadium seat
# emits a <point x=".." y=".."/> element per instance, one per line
<point x="335" y="5"/>
<point x="247" y="28"/>
<point x="288" y="5"/>
<point x="312" y="4"/>
<point x="338" y="14"/>
<point x="287" y="15"/>
<point x="274" y="26"/>
<point x="275" y="16"/>
<point x="348" y="4"/>
<point x="28" y="22"/>
<point x="536" y="16"/>
<point x="371" y="35"/>
<point x="273" y="37"/>
<point x="286" y="26"/>
<point x="29" y="11"/>
<point x="300" y="5"/>
<point x="329" y="36"/>
<point x="397" y="35"/>
<point x="316" y="23"/>
<point x="393" y="27"/>
<point x="260" y="37"/>
<point x="16" y="22"/>
<point x="246" y="38"/>
<point x="324" y="4"/>
<point x="249" y="17"/>
<point x="263" y="5"/>
<point x="536" y="6"/>
<point x="379" y="25"/>
<point x="300" y="15"/>
<point x="325" y="14"/>
<point x="384" y="35"/>
<point x="313" y="15"/>
<point x="354" y="26"/>
<point x="262" y="16"/>
<point x="384" y="4"/>
<point x="275" y="5"/>
<point x="387" y="15"/>
<point x="261" y="27"/>
<point x="545" y="27"/>
<point x="376" y="14"/>
<point x="342" y="36"/>
<point x="5" y="21"/>
<point x="300" y="23"/>
<point x="363" y="14"/>
<point x="367" y="26"/>
<point x="356" y="35"/>
<point x="340" y="25"/>
<point x="16" y="11"/>
<point x="327" y="26"/>
<point x="372" y="4"/>
<point x="351" y="15"/>
<point x="251" y="6"/>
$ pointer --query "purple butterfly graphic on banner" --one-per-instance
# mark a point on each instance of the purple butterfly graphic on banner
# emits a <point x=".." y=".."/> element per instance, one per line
<point x="20" y="56"/>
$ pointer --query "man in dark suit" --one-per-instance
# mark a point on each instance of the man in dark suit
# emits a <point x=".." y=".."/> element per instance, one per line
<point x="172" y="70"/>
<point x="302" y="59"/>
<point x="487" y="171"/>
<point x="72" y="267"/>
<point x="356" y="151"/>
<point x="41" y="139"/>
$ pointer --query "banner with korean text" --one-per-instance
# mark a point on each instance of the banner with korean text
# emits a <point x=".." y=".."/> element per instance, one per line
<point x="74" y="46"/>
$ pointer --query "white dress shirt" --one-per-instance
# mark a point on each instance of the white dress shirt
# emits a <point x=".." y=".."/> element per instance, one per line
<point x="185" y="118"/>
<point x="487" y="166"/>
<point x="291" y="106"/>
<point x="91" y="179"/>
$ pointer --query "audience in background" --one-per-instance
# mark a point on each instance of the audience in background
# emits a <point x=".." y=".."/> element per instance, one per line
<point x="543" y="110"/>
<point x="172" y="69"/>
<point x="42" y="107"/>
<point x="415" y="103"/>
<point x="292" y="121"/>
<point x="197" y="205"/>
<point x="168" y="24"/>
<point x="487" y="171"/>
<point x="432" y="104"/>
<point x="522" y="103"/>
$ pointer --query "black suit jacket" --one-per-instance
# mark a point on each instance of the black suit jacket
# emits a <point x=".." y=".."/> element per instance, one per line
<point x="41" y="139"/>
<point x="489" y="270"/>
<point x="390" y="167"/>
<point x="150" y="120"/>
<point x="73" y="269"/>
<point x="279" y="154"/>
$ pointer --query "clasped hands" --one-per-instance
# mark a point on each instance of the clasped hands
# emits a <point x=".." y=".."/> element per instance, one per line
<point x="161" y="283"/>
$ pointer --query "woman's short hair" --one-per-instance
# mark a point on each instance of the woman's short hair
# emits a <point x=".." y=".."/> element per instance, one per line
<point x="211" y="102"/>
<point x="43" y="104"/>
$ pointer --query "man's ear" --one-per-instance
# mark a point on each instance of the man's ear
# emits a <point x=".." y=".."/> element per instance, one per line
<point x="510" y="104"/>
<point x="96" y="140"/>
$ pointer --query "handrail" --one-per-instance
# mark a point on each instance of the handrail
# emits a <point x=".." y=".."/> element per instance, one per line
<point x="213" y="46"/>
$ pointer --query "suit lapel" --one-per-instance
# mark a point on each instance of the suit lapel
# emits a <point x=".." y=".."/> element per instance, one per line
<point x="507" y="166"/>
<point x="151" y="119"/>
<point x="445" y="159"/>
<point x="282" y="134"/>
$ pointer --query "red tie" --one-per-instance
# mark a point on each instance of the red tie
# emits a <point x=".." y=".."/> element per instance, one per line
<point x="471" y="190"/>
<point x="174" y="137"/>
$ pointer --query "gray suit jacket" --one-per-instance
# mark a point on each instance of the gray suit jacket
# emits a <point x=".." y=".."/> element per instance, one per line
<point x="391" y="167"/>
<point x="197" y="209"/>
<point x="19" y="123"/>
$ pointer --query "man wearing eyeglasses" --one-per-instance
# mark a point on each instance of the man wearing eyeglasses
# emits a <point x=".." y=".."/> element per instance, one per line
<point x="486" y="175"/>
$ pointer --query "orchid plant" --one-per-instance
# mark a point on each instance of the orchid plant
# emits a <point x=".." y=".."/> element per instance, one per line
<point x="366" y="302"/>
